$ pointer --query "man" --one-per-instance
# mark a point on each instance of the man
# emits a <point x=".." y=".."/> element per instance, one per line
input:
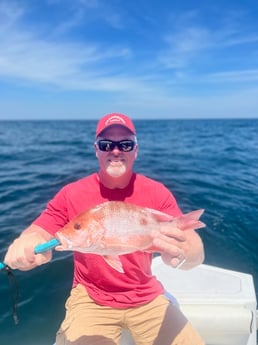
<point x="103" y="301"/>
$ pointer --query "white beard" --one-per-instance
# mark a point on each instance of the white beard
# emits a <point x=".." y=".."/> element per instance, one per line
<point x="116" y="170"/>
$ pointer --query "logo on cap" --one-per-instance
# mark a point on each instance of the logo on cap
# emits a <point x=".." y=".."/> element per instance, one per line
<point x="114" y="119"/>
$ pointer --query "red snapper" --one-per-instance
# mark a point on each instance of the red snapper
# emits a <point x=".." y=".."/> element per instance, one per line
<point x="114" y="228"/>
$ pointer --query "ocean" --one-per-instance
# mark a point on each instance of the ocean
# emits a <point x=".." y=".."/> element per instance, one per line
<point x="210" y="164"/>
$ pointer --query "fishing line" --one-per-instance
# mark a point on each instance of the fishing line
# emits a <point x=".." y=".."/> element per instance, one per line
<point x="14" y="292"/>
<point x="13" y="283"/>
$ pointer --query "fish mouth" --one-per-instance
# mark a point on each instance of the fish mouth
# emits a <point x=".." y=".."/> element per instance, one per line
<point x="66" y="243"/>
<point x="79" y="242"/>
<point x="76" y="244"/>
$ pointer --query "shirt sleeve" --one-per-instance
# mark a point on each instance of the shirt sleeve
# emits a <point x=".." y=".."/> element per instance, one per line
<point x="55" y="216"/>
<point x="166" y="202"/>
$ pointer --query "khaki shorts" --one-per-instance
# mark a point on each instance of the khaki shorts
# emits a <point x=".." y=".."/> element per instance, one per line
<point x="156" y="323"/>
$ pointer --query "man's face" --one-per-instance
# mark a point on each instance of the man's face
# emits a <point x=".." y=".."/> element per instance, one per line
<point x="116" y="162"/>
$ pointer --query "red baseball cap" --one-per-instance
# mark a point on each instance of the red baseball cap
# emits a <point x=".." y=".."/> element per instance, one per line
<point x="114" y="119"/>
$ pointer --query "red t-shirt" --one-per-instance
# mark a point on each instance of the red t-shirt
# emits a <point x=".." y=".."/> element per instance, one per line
<point x="105" y="285"/>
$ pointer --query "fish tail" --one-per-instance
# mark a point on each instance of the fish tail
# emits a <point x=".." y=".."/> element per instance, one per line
<point x="190" y="221"/>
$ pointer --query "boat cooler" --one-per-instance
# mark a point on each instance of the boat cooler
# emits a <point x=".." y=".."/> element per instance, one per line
<point x="221" y="304"/>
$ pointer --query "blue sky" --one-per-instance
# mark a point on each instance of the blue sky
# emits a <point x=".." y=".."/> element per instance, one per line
<point x="81" y="59"/>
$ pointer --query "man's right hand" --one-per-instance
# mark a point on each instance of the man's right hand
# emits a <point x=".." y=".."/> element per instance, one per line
<point x="20" y="254"/>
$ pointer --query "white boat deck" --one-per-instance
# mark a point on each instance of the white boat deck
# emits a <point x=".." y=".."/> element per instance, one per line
<point x="220" y="303"/>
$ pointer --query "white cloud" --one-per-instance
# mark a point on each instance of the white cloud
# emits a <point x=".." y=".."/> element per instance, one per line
<point x="183" y="46"/>
<point x="10" y="12"/>
<point x="170" y="78"/>
<point x="241" y="76"/>
<point x="27" y="57"/>
<point x="189" y="42"/>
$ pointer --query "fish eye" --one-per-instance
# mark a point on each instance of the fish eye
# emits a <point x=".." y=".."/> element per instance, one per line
<point x="77" y="226"/>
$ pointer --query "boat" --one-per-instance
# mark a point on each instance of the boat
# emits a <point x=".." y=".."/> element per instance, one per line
<point x="220" y="303"/>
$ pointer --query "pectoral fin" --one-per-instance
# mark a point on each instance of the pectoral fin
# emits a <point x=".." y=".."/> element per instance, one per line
<point x="114" y="262"/>
<point x="160" y="216"/>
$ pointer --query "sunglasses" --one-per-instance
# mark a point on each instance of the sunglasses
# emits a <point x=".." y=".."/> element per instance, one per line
<point x="109" y="145"/>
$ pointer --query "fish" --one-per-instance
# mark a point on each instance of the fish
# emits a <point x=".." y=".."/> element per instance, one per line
<point x="114" y="228"/>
